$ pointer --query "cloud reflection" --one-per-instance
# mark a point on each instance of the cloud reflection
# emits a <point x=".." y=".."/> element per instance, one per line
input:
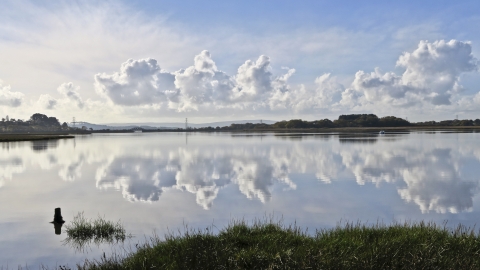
<point x="428" y="176"/>
<point x="8" y="167"/>
<point x="436" y="175"/>
<point x="201" y="172"/>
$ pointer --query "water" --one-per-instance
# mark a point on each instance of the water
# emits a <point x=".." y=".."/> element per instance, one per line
<point x="158" y="182"/>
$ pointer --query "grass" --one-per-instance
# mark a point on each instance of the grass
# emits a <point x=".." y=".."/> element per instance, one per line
<point x="82" y="232"/>
<point x="269" y="245"/>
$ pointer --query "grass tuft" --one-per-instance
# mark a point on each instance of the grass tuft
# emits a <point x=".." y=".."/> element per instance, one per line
<point x="82" y="232"/>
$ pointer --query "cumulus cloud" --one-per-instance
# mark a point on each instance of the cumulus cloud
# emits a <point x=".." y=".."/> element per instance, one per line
<point x="432" y="76"/>
<point x="139" y="82"/>
<point x="198" y="87"/>
<point x="47" y="102"/>
<point x="9" y="98"/>
<point x="202" y="83"/>
<point x="71" y="93"/>
<point x="323" y="97"/>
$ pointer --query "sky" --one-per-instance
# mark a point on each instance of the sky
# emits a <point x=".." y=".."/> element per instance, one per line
<point x="163" y="61"/>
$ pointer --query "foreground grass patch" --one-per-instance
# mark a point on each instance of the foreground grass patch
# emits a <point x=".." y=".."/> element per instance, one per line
<point x="266" y="245"/>
<point x="82" y="232"/>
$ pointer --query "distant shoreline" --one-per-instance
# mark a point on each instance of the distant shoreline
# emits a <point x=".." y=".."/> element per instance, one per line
<point x="39" y="136"/>
<point x="310" y="130"/>
<point x="31" y="137"/>
<point x="367" y="129"/>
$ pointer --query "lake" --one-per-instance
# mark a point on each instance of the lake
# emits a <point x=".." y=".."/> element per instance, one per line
<point x="160" y="182"/>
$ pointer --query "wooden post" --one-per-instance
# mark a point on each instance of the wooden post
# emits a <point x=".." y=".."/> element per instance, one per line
<point x="57" y="218"/>
<point x="58" y="221"/>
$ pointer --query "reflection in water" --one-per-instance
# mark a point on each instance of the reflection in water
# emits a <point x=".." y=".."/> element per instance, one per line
<point x="157" y="181"/>
<point x="429" y="177"/>
<point x="8" y="166"/>
<point x="43" y="145"/>
<point x="57" y="227"/>
<point x="200" y="172"/>
<point x="425" y="169"/>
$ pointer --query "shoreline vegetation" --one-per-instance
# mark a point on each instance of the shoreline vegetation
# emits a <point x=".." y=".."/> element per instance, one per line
<point x="42" y="127"/>
<point x="265" y="244"/>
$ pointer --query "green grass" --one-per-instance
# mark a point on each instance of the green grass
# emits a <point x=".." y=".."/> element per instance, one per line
<point x="268" y="245"/>
<point x="82" y="232"/>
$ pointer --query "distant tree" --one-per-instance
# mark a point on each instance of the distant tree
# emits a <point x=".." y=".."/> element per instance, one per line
<point x="357" y="120"/>
<point x="392" y="121"/>
<point x="38" y="118"/>
<point x="53" y="121"/>
<point x="280" y="124"/>
<point x="296" y="123"/>
<point x="465" y="123"/>
<point x="64" y="125"/>
<point x="324" y="123"/>
<point x="354" y="117"/>
<point x="43" y="120"/>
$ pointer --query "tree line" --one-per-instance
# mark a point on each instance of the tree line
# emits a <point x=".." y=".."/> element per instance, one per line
<point x="37" y="123"/>
<point x="41" y="123"/>
<point x="346" y="121"/>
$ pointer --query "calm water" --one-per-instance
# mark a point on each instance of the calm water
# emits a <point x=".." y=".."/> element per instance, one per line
<point x="159" y="182"/>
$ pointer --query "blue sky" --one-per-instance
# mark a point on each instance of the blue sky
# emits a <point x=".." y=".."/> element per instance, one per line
<point x="226" y="60"/>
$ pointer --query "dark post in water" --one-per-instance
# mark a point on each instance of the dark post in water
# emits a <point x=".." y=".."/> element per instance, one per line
<point x="58" y="221"/>
<point x="58" y="216"/>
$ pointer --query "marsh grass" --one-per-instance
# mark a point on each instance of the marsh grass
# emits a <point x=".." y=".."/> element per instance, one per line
<point x="271" y="245"/>
<point x="82" y="232"/>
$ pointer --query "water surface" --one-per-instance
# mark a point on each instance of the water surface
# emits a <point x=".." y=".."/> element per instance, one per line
<point x="161" y="181"/>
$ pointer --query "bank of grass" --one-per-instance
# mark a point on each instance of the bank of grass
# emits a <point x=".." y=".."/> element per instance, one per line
<point x="267" y="245"/>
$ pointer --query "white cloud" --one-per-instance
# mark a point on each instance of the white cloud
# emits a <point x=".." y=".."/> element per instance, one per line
<point x="71" y="93"/>
<point x="201" y="87"/>
<point x="323" y="97"/>
<point x="201" y="83"/>
<point x="432" y="76"/>
<point x="254" y="79"/>
<point x="139" y="82"/>
<point x="9" y="98"/>
<point x="50" y="44"/>
<point x="47" y="102"/>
